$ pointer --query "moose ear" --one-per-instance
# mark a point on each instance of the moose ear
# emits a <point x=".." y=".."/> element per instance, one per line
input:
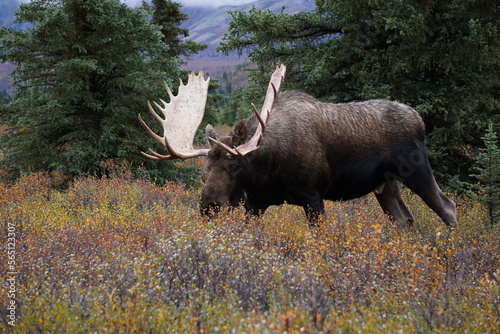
<point x="210" y="133"/>
<point x="240" y="133"/>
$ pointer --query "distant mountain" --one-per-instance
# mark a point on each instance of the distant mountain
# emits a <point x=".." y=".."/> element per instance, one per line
<point x="7" y="10"/>
<point x="208" y="25"/>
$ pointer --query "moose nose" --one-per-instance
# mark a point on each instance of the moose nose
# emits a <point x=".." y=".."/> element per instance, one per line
<point x="210" y="209"/>
<point x="211" y="201"/>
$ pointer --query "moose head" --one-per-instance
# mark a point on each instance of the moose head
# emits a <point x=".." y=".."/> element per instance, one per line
<point x="226" y="156"/>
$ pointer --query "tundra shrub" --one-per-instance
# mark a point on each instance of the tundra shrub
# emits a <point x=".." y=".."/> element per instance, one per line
<point x="116" y="255"/>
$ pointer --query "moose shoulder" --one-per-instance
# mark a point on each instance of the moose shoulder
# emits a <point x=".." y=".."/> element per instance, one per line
<point x="302" y="151"/>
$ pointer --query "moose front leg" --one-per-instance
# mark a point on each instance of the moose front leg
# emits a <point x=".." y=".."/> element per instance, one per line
<point x="314" y="209"/>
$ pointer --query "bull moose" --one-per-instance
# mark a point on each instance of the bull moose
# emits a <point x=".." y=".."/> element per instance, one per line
<point x="302" y="151"/>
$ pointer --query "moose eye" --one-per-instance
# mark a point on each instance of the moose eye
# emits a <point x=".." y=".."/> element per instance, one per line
<point x="232" y="166"/>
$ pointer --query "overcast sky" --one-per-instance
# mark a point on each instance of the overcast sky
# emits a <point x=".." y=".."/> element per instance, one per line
<point x="207" y="3"/>
<point x="185" y="3"/>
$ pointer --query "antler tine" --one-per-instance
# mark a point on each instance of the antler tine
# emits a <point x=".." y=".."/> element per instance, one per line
<point x="155" y="156"/>
<point x="168" y="91"/>
<point x="273" y="88"/>
<point x="148" y="129"/>
<point x="224" y="146"/>
<point x="257" y="114"/>
<point x="155" y="114"/>
<point x="183" y="114"/>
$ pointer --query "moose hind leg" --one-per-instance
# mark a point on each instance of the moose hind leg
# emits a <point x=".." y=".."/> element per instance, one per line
<point x="389" y="197"/>
<point x="422" y="182"/>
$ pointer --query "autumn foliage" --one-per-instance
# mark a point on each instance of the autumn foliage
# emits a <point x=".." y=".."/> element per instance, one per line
<point x="121" y="255"/>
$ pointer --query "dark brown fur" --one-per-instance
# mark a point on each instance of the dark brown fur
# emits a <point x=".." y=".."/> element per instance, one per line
<point x="311" y="151"/>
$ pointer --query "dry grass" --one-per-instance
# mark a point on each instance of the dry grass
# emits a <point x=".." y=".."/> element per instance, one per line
<point x="118" y="255"/>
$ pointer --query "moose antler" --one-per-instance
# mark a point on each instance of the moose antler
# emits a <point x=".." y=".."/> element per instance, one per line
<point x="183" y="115"/>
<point x="272" y="94"/>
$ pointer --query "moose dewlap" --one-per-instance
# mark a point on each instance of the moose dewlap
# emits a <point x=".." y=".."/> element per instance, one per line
<point x="303" y="151"/>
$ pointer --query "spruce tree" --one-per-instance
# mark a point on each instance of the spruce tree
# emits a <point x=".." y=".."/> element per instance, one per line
<point x="488" y="174"/>
<point x="85" y="69"/>
<point x="168" y="15"/>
